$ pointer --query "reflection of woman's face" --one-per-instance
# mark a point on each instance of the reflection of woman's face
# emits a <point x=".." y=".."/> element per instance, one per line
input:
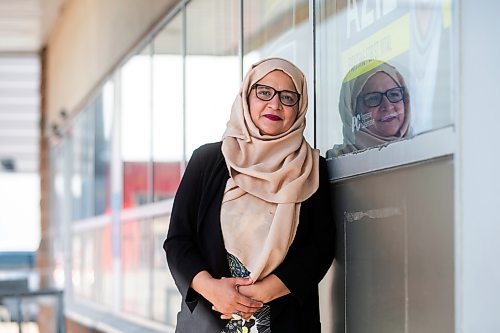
<point x="272" y="117"/>
<point x="387" y="117"/>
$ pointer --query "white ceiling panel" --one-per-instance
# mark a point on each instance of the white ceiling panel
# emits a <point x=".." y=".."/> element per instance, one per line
<point x="19" y="114"/>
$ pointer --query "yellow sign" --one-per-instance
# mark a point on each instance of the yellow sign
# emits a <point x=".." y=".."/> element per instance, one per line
<point x="446" y="13"/>
<point x="384" y="45"/>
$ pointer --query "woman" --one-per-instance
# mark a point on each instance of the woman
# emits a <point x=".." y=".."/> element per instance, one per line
<point x="251" y="232"/>
<point x="374" y="106"/>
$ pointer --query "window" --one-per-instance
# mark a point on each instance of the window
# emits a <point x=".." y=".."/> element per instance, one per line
<point x="408" y="44"/>
<point x="168" y="104"/>
<point x="103" y="115"/>
<point x="212" y="69"/>
<point x="136" y="128"/>
<point x="81" y="162"/>
<point x="280" y="29"/>
<point x="136" y="267"/>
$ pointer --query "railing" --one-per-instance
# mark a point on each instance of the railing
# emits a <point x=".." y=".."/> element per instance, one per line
<point x="20" y="295"/>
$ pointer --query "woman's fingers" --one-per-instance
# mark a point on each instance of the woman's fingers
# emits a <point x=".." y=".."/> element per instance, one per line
<point x="242" y="281"/>
<point x="227" y="300"/>
<point x="244" y="315"/>
<point x="248" y="305"/>
<point x="239" y="309"/>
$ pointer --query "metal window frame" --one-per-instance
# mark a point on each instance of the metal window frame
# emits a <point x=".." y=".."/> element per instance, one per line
<point x="424" y="146"/>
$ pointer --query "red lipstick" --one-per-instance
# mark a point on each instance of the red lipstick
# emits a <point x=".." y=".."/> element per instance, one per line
<point x="272" y="117"/>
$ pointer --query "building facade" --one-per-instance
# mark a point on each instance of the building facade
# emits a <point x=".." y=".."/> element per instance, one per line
<point x="131" y="88"/>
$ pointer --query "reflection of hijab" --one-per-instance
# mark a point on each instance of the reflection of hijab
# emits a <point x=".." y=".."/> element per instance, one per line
<point x="270" y="177"/>
<point x="355" y="80"/>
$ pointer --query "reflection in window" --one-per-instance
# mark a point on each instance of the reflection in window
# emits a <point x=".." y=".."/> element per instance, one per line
<point x="414" y="37"/>
<point x="167" y="110"/>
<point x="136" y="128"/>
<point x="212" y="69"/>
<point x="374" y="107"/>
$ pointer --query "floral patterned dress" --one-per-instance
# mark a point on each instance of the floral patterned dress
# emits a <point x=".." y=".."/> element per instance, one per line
<point x="260" y="322"/>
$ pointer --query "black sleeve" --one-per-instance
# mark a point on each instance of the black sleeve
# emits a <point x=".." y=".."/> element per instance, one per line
<point x="312" y="251"/>
<point x="183" y="254"/>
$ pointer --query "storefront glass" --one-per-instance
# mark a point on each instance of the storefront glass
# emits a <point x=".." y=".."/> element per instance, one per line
<point x="408" y="43"/>
<point x="212" y="69"/>
<point x="135" y="106"/>
<point x="168" y="106"/>
<point x="280" y="29"/>
<point x="103" y="110"/>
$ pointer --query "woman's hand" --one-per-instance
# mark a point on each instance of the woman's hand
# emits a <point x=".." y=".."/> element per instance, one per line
<point x="224" y="296"/>
<point x="265" y="290"/>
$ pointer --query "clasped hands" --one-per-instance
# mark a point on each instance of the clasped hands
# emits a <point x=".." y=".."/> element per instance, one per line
<point x="239" y="296"/>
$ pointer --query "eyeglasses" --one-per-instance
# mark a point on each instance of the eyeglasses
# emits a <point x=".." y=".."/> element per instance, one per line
<point x="373" y="99"/>
<point x="266" y="93"/>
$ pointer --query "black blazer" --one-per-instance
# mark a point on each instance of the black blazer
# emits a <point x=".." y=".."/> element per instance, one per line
<point x="194" y="243"/>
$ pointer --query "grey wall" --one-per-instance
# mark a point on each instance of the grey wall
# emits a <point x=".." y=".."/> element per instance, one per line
<point x="395" y="263"/>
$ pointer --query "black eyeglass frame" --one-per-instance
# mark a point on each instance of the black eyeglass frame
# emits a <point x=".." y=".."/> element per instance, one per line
<point x="256" y="85"/>
<point x="381" y="94"/>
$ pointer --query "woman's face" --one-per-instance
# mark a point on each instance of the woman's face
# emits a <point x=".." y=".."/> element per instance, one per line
<point x="388" y="117"/>
<point x="272" y="117"/>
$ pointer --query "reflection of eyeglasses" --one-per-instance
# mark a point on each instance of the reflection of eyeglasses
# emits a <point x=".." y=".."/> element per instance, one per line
<point x="373" y="99"/>
<point x="266" y="93"/>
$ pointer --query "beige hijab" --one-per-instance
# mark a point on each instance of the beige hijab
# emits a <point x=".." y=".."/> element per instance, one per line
<point x="270" y="177"/>
<point x="352" y="86"/>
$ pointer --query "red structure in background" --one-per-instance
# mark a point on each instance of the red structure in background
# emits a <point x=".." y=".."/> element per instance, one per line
<point x="166" y="178"/>
<point x="136" y="189"/>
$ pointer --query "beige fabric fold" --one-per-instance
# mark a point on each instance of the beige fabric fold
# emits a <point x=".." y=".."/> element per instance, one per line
<point x="269" y="177"/>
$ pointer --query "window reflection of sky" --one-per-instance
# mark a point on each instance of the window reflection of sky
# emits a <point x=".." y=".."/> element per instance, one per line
<point x="209" y="97"/>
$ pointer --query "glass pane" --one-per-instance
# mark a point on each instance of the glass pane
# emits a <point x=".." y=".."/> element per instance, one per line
<point x="103" y="106"/>
<point x="136" y="267"/>
<point x="89" y="266"/>
<point x="166" y="297"/>
<point x="136" y="128"/>
<point x="105" y="267"/>
<point x="280" y="29"/>
<point x="76" y="269"/>
<point x="167" y="110"/>
<point x="212" y="69"/>
<point x="366" y="47"/>
<point x="82" y="165"/>
<point x="53" y="274"/>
